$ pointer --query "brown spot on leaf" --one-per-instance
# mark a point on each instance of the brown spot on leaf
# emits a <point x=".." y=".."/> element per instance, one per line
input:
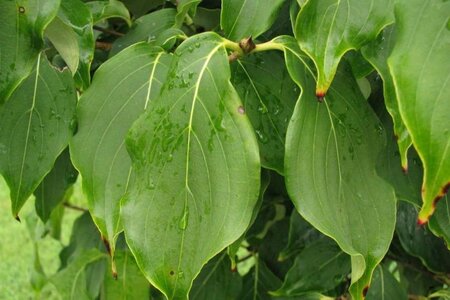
<point x="241" y="110"/>
<point x="21" y="9"/>
<point x="422" y="222"/>
<point x="172" y="272"/>
<point x="18" y="219"/>
<point x="441" y="195"/>
<point x="365" y="290"/>
<point x="320" y="96"/>
<point x="107" y="245"/>
<point x="405" y="169"/>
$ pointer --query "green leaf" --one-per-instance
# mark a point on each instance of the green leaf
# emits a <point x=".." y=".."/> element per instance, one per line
<point x="331" y="154"/>
<point x="130" y="283"/>
<point x="76" y="14"/>
<point x="139" y="8"/>
<point x="208" y="19"/>
<point x="147" y="28"/>
<point x="36" y="126"/>
<point x="217" y="281"/>
<point x="320" y="267"/>
<point x="52" y="190"/>
<point x="185" y="10"/>
<point x="259" y="282"/>
<point x="442" y="294"/>
<point x="422" y="36"/>
<point x="71" y="281"/>
<point x="196" y="162"/>
<point x="418" y="241"/>
<point x="385" y="286"/>
<point x="327" y="29"/>
<point x="65" y="41"/>
<point x="23" y="24"/>
<point x="246" y="18"/>
<point x="301" y="233"/>
<point x="440" y="222"/>
<point x="121" y="90"/>
<point x="377" y="53"/>
<point x="102" y="10"/>
<point x="360" y="66"/>
<point x="269" y="96"/>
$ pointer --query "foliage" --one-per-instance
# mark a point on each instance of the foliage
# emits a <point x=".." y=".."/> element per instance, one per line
<point x="232" y="149"/>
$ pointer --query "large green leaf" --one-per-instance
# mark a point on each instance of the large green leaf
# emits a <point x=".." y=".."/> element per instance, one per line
<point x="141" y="7"/>
<point x="440" y="222"/>
<point x="52" y="190"/>
<point x="217" y="281"/>
<point x="259" y="282"/>
<point x="418" y="241"/>
<point x="36" y="126"/>
<point x="196" y="162"/>
<point x="247" y="18"/>
<point x="185" y="9"/>
<point x="327" y="29"/>
<point x="71" y="281"/>
<point x="130" y="283"/>
<point x="422" y="35"/>
<point x="320" y="267"/>
<point x="147" y="28"/>
<point x="76" y="14"/>
<point x="23" y="23"/>
<point x="269" y="97"/>
<point x="385" y="286"/>
<point x="121" y="90"/>
<point x="331" y="154"/>
<point x="377" y="53"/>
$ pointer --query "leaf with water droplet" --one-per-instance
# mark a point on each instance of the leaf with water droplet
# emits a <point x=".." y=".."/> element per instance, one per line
<point x="328" y="197"/>
<point x="121" y="89"/>
<point x="33" y="137"/>
<point x="212" y="191"/>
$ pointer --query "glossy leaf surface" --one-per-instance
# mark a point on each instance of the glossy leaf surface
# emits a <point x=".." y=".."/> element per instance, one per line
<point x="422" y="89"/>
<point x="102" y="10"/>
<point x="121" y="90"/>
<point x="36" y="124"/>
<point x="331" y="154"/>
<point x="385" y="286"/>
<point x="196" y="162"/>
<point x="440" y="222"/>
<point x="23" y="23"/>
<point x="269" y="97"/>
<point x="246" y="18"/>
<point x="327" y="29"/>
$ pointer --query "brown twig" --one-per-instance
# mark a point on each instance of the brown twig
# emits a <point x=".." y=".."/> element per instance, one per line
<point x="74" y="207"/>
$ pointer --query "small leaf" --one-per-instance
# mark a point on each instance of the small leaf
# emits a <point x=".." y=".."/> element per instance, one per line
<point x="421" y="88"/>
<point x="385" y="286"/>
<point x="196" y="166"/>
<point x="247" y="18"/>
<point x="269" y="96"/>
<point x="217" y="281"/>
<point x="185" y="9"/>
<point x="102" y="10"/>
<point x="377" y="53"/>
<point x="23" y="24"/>
<point x="147" y="28"/>
<point x="76" y="14"/>
<point x="331" y="154"/>
<point x="36" y="123"/>
<point x="71" y="281"/>
<point x="259" y="282"/>
<point x="440" y="222"/>
<point x="52" y="190"/>
<point x="418" y="241"/>
<point x="130" y="283"/>
<point x="65" y="41"/>
<point x="121" y="90"/>
<point x="327" y="29"/>
<point x="320" y="267"/>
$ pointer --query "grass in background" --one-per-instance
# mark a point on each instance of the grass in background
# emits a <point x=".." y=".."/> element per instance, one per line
<point x="16" y="246"/>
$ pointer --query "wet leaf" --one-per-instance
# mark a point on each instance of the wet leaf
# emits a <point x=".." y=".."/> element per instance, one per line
<point x="327" y="29"/>
<point x="102" y="10"/>
<point x="37" y="123"/>
<point x="23" y="24"/>
<point x="196" y="164"/>
<point x="331" y="155"/>
<point x="385" y="286"/>
<point x="121" y="90"/>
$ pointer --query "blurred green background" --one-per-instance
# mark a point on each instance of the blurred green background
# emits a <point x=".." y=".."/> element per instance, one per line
<point x="16" y="246"/>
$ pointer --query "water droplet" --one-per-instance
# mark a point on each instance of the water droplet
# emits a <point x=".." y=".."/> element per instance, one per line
<point x="197" y="45"/>
<point x="184" y="219"/>
<point x="151" y="185"/>
<point x="191" y="49"/>
<point x="180" y="274"/>
<point x="261" y="136"/>
<point x="190" y="75"/>
<point x="170" y="157"/>
<point x="262" y="109"/>
<point x="21" y="9"/>
<point x="3" y="149"/>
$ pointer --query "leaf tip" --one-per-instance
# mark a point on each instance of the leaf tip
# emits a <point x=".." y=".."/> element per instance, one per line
<point x="320" y="94"/>
<point x="17" y="218"/>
